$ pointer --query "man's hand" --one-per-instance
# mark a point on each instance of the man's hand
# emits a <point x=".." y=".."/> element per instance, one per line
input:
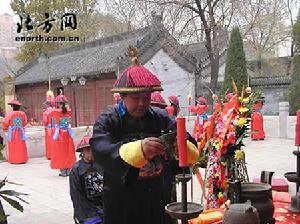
<point x="152" y="147"/>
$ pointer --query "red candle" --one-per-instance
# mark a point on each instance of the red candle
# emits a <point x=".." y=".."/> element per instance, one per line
<point x="297" y="137"/>
<point x="181" y="142"/>
<point x="297" y="133"/>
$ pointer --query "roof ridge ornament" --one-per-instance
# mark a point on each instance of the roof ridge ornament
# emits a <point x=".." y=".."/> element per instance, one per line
<point x="132" y="52"/>
<point x="136" y="78"/>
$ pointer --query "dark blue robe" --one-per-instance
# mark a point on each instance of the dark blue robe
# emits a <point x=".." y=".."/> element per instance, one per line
<point x="86" y="186"/>
<point x="129" y="199"/>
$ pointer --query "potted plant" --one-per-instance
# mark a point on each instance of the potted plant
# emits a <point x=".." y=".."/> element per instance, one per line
<point x="10" y="197"/>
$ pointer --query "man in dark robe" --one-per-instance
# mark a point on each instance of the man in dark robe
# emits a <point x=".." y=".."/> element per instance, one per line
<point x="126" y="147"/>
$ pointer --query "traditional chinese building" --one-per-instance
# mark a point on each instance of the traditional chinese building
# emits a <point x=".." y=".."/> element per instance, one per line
<point x="99" y="62"/>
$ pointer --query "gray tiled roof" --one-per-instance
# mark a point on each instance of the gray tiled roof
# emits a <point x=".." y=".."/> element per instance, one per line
<point x="276" y="66"/>
<point x="98" y="57"/>
<point x="8" y="66"/>
<point x="271" y="81"/>
<point x="198" y="49"/>
<point x="107" y="55"/>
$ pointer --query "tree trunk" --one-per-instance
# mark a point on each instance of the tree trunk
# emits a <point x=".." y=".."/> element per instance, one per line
<point x="214" y="66"/>
<point x="289" y="66"/>
<point x="196" y="84"/>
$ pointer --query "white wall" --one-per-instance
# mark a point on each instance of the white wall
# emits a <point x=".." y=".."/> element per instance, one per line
<point x="271" y="126"/>
<point x="175" y="80"/>
<point x="221" y="73"/>
<point x="35" y="139"/>
<point x="36" y="143"/>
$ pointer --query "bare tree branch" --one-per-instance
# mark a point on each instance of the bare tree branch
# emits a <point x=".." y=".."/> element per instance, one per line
<point x="187" y="5"/>
<point x="215" y="3"/>
<point x="187" y="23"/>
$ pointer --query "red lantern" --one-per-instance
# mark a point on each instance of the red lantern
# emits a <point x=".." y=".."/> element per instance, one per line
<point x="181" y="142"/>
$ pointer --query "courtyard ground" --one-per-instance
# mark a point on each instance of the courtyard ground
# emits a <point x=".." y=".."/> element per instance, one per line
<point x="50" y="203"/>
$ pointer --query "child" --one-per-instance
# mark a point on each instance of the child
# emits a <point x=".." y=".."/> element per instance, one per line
<point x="86" y="185"/>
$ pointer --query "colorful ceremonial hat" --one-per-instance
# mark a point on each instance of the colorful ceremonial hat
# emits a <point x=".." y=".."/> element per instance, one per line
<point x="61" y="98"/>
<point x="136" y="78"/>
<point x="14" y="102"/>
<point x="158" y="100"/>
<point x="50" y="97"/>
<point x="201" y="100"/>
<point x="84" y="143"/>
<point x="174" y="100"/>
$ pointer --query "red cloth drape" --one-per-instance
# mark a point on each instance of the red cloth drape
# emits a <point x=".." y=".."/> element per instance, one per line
<point x="283" y="216"/>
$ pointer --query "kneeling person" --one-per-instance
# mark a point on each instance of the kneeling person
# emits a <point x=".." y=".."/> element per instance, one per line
<point x="86" y="185"/>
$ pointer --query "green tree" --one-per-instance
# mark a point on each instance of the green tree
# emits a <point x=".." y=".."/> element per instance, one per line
<point x="235" y="63"/>
<point x="294" y="90"/>
<point x="91" y="24"/>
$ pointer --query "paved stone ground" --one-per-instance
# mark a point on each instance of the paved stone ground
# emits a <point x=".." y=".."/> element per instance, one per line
<point x="49" y="194"/>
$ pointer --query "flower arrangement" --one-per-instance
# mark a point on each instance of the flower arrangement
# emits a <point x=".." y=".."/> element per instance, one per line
<point x="222" y="144"/>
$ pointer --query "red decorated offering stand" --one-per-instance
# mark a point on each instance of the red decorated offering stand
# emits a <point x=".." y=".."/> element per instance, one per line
<point x="297" y="137"/>
<point x="183" y="210"/>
